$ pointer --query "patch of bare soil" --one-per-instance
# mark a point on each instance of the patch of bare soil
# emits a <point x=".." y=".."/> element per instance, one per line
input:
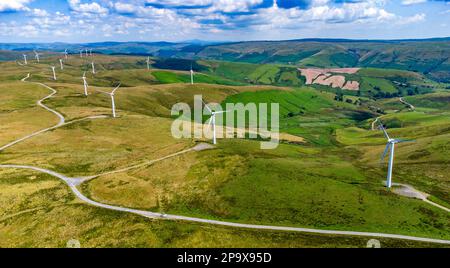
<point x="327" y="77"/>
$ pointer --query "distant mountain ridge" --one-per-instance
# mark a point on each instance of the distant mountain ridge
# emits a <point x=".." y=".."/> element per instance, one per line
<point x="428" y="56"/>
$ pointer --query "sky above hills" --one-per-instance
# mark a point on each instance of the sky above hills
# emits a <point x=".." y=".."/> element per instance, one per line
<point x="220" y="20"/>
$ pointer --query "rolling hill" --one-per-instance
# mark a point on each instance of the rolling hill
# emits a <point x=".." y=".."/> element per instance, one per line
<point x="428" y="56"/>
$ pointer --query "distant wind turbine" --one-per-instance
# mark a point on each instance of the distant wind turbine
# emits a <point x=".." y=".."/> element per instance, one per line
<point x="90" y="52"/>
<point x="192" y="76"/>
<point x="65" y="54"/>
<point x="87" y="52"/>
<point x="81" y="53"/>
<point x="85" y="84"/>
<point x="36" y="55"/>
<point x="148" y="63"/>
<point x="390" y="145"/>
<point x="212" y="120"/>
<point x="61" y="64"/>
<point x="93" y="67"/>
<point x="113" y="104"/>
<point x="54" y="73"/>
<point x="25" y="59"/>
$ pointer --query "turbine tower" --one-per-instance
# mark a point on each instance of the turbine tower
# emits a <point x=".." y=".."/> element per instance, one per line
<point x="25" y="59"/>
<point x="86" y="52"/>
<point x="85" y="84"/>
<point x="113" y="104"/>
<point x="390" y="146"/>
<point x="54" y="73"/>
<point x="148" y="63"/>
<point x="93" y="67"/>
<point x="61" y="64"/>
<point x="81" y="53"/>
<point x="65" y="54"/>
<point x="192" y="76"/>
<point x="212" y="121"/>
<point x="90" y="52"/>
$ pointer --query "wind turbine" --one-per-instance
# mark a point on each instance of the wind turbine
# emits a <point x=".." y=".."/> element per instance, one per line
<point x="81" y="53"/>
<point x="36" y="55"/>
<point x="113" y="104"/>
<point x="25" y="59"/>
<point x="148" y="63"/>
<point x="87" y="52"/>
<point x="85" y="84"/>
<point x="93" y="67"/>
<point x="212" y="120"/>
<point x="54" y="73"/>
<point x="192" y="76"/>
<point x="390" y="146"/>
<point x="65" y="54"/>
<point x="61" y="64"/>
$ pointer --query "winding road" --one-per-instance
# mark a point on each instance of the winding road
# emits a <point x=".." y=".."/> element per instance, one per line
<point x="411" y="107"/>
<point x="62" y="121"/>
<point x="74" y="182"/>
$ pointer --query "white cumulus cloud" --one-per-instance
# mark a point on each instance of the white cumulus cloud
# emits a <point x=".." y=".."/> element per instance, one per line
<point x="14" y="5"/>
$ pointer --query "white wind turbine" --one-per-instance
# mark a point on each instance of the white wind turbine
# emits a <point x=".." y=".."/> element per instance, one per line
<point x="212" y="120"/>
<point x="90" y="52"/>
<point x="93" y="67"/>
<point x="192" y="76"/>
<point x="25" y="59"/>
<point x="86" y="52"/>
<point x="148" y="63"/>
<point x="36" y="55"/>
<point x="65" y="54"/>
<point x="54" y="73"/>
<point x="390" y="145"/>
<point x="61" y="64"/>
<point x="85" y="84"/>
<point x="113" y="104"/>
<point x="81" y="53"/>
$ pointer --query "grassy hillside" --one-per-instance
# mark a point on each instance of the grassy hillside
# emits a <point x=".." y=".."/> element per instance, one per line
<point x="428" y="57"/>
<point x="330" y="180"/>
<point x="39" y="211"/>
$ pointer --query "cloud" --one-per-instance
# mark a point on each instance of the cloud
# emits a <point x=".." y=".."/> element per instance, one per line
<point x="14" y="5"/>
<point x="125" y="7"/>
<point x="209" y="19"/>
<point x="208" y="5"/>
<point x="413" y="19"/>
<point x="40" y="12"/>
<point x="93" y="7"/>
<point x="412" y="2"/>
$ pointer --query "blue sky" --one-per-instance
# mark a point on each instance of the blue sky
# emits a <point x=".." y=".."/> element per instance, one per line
<point x="220" y="20"/>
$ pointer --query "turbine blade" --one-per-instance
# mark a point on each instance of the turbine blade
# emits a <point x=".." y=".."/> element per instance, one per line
<point x="207" y="107"/>
<point x="209" y="121"/>
<point x="114" y="90"/>
<point x="384" y="131"/>
<point x="388" y="146"/>
<point x="222" y="112"/>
